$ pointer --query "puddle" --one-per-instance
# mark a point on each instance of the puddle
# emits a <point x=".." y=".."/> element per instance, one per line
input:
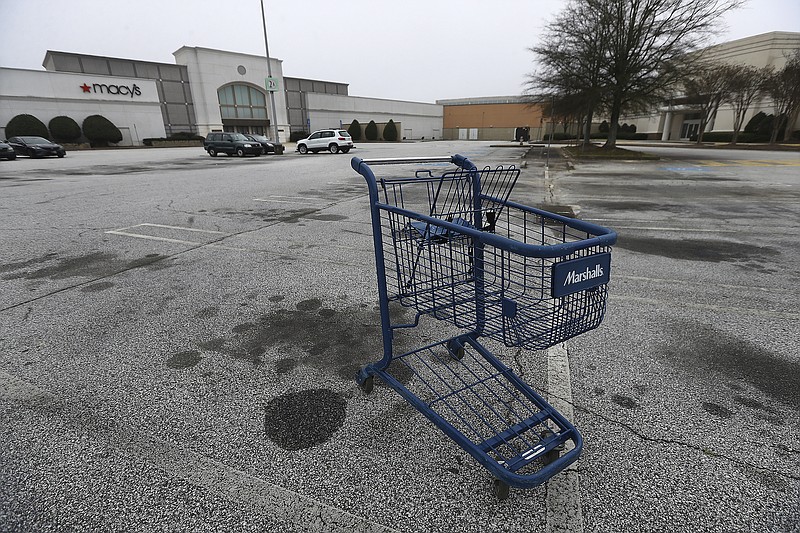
<point x="300" y="420"/>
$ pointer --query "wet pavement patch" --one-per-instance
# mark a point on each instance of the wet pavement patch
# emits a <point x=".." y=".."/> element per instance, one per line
<point x="710" y="353"/>
<point x="631" y="205"/>
<point x="97" y="287"/>
<point x="716" y="410"/>
<point x="183" y="360"/>
<point x="207" y="312"/>
<point x="300" y="420"/>
<point x="93" y="265"/>
<point x="696" y="249"/>
<point x="624" y="401"/>
<point x="336" y="341"/>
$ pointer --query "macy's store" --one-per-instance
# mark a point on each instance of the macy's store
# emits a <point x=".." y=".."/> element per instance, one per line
<point x="205" y="90"/>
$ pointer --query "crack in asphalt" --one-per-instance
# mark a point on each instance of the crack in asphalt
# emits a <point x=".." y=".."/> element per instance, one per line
<point x="698" y="448"/>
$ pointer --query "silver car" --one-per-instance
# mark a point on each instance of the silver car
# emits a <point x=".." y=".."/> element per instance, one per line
<point x="334" y="141"/>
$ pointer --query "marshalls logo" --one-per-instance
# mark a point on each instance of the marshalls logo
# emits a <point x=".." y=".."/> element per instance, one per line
<point x="579" y="277"/>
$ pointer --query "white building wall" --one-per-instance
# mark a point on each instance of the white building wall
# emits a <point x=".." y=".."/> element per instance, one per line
<point x="417" y="119"/>
<point x="768" y="49"/>
<point x="46" y="95"/>
<point x="211" y="69"/>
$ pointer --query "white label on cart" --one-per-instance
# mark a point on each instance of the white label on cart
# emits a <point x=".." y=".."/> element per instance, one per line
<point x="580" y="274"/>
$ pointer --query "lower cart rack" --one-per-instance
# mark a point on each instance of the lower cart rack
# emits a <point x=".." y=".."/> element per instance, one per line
<point x="485" y="408"/>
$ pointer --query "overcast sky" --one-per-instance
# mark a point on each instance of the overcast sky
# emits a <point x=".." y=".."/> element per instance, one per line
<point x="406" y="50"/>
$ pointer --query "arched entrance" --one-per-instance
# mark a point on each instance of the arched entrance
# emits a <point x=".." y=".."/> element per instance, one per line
<point x="243" y="108"/>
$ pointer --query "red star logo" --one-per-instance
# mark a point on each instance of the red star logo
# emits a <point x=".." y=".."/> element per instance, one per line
<point x="85" y="88"/>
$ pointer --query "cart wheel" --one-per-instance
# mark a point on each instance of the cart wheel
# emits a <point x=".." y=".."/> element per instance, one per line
<point x="553" y="454"/>
<point x="501" y="489"/>
<point x="456" y="349"/>
<point x="367" y="384"/>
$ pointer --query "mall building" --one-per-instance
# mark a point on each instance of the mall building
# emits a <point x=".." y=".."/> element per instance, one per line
<point x="213" y="90"/>
<point x="205" y="90"/>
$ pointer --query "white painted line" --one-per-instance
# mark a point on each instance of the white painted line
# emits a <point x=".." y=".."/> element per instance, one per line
<point x="296" y="511"/>
<point x="151" y="238"/>
<point x="564" y="513"/>
<point x="179" y="228"/>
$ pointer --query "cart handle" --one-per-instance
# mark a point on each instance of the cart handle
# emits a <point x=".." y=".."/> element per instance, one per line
<point x="457" y="159"/>
<point x="602" y="236"/>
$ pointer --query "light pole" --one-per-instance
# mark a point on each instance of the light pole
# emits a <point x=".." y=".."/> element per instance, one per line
<point x="274" y="121"/>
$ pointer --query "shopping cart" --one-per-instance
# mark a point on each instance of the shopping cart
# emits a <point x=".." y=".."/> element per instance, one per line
<point x="450" y="244"/>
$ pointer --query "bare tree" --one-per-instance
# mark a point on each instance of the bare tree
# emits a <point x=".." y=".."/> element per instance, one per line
<point x="570" y="61"/>
<point x="639" y="52"/>
<point x="707" y="88"/>
<point x="745" y="84"/>
<point x="784" y="88"/>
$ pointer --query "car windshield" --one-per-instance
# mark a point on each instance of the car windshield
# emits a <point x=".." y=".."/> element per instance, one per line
<point x="344" y="133"/>
<point x="35" y="140"/>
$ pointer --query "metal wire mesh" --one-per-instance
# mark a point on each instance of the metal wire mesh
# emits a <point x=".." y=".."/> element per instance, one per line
<point x="476" y="397"/>
<point x="497" y="292"/>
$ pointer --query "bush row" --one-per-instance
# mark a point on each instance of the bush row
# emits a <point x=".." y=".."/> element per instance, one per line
<point x="179" y="136"/>
<point x="96" y="128"/>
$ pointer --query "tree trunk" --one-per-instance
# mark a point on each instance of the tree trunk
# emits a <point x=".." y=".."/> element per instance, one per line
<point x="790" y="124"/>
<point x="611" y="142"/>
<point x="587" y="128"/>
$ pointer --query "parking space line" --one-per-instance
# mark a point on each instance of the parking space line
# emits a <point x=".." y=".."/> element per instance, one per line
<point x="179" y="228"/>
<point x="152" y="238"/>
<point x="564" y="513"/>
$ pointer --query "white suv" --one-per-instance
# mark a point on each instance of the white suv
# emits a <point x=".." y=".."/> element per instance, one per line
<point x="334" y="141"/>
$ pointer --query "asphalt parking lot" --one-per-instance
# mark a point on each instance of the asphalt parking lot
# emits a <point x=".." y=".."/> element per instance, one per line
<point x="178" y="336"/>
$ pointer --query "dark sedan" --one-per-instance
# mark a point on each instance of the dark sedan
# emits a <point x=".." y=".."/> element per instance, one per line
<point x="36" y="147"/>
<point x="6" y="152"/>
<point x="267" y="146"/>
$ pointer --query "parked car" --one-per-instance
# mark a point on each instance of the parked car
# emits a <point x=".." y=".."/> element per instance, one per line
<point x="225" y="142"/>
<point x="6" y="152"/>
<point x="267" y="146"/>
<point x="334" y="141"/>
<point x="36" y="146"/>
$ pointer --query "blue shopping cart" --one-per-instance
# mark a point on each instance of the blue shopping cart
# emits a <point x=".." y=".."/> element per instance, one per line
<point x="450" y="244"/>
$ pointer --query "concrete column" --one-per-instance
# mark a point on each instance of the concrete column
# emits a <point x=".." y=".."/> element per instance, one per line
<point x="667" y="126"/>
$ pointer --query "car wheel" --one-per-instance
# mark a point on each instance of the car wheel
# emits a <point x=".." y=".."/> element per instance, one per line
<point x="345" y="150"/>
<point x="302" y="148"/>
<point x="61" y="155"/>
<point x="212" y="152"/>
<point x="334" y="148"/>
<point x="240" y="152"/>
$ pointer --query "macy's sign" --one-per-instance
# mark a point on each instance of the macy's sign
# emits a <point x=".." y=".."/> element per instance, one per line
<point x="103" y="88"/>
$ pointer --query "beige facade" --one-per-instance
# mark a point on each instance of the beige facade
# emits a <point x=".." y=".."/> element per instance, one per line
<point x="682" y="122"/>
<point x="490" y="119"/>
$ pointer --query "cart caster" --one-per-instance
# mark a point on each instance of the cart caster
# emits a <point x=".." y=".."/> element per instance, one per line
<point x="456" y="349"/>
<point x="555" y="453"/>
<point x="367" y="384"/>
<point x="501" y="489"/>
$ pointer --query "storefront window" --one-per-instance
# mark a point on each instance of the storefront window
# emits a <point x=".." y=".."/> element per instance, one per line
<point x="242" y="101"/>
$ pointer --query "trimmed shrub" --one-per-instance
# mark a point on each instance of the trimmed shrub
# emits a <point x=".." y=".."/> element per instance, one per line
<point x="64" y="129"/>
<point x="390" y="131"/>
<point x="185" y="136"/>
<point x="755" y="120"/>
<point x="355" y="130"/>
<point x="371" y="131"/>
<point x="100" y="131"/>
<point x="26" y="125"/>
